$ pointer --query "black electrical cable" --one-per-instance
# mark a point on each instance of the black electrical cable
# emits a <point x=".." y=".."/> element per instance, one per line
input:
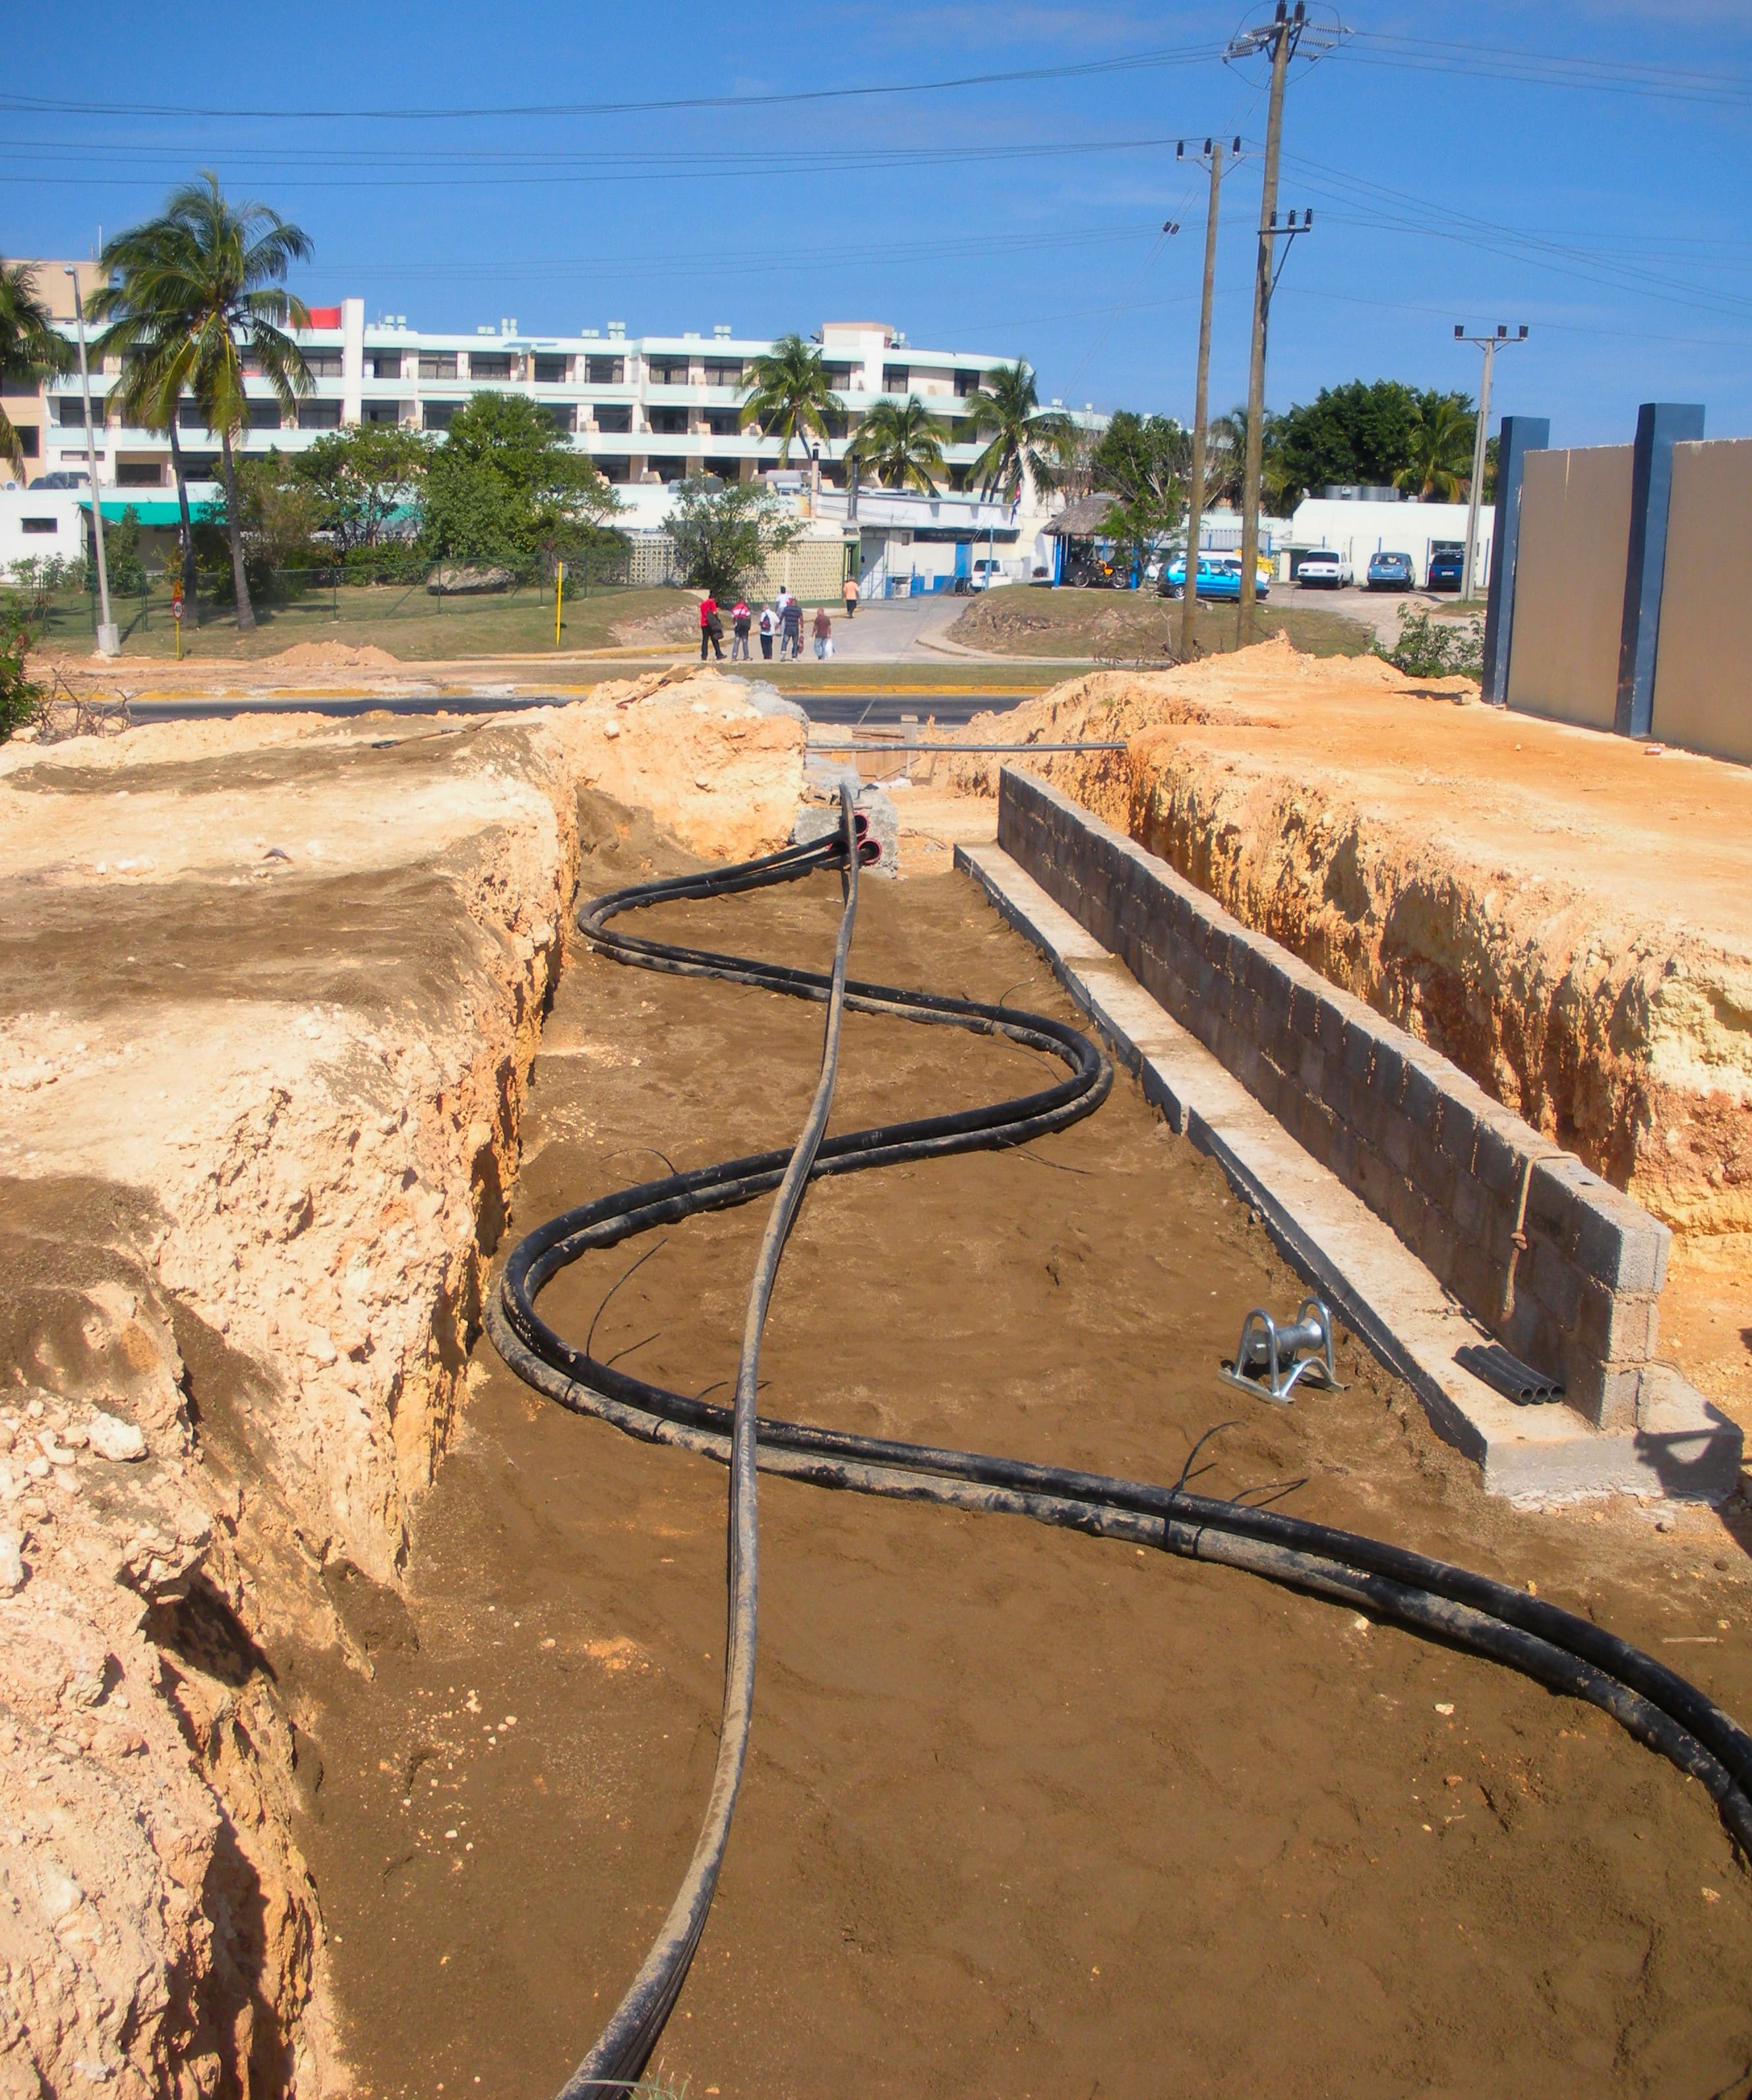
<point x="1464" y="1610"/>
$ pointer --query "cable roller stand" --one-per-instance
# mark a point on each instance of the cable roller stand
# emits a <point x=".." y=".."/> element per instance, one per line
<point x="1270" y="1361"/>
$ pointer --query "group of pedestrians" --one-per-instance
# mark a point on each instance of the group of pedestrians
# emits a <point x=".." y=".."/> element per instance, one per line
<point x="781" y="622"/>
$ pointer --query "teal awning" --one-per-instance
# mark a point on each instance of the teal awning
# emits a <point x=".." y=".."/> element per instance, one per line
<point x="149" y="510"/>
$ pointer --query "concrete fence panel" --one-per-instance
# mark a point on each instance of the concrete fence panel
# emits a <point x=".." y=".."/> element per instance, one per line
<point x="1575" y="541"/>
<point x="1703" y="671"/>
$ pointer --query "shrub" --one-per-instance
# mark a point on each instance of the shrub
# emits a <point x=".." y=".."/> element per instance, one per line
<point x="20" y="699"/>
<point x="1432" y="648"/>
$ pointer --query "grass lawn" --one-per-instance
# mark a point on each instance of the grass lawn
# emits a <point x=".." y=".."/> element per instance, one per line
<point x="405" y="621"/>
<point x="1087" y="626"/>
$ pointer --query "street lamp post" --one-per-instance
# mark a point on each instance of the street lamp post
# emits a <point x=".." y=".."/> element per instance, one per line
<point x="108" y="635"/>
<point x="1490" y="344"/>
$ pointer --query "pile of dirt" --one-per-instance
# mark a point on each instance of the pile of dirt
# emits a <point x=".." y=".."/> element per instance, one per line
<point x="333" y="656"/>
<point x="270" y="991"/>
<point x="1561" y="914"/>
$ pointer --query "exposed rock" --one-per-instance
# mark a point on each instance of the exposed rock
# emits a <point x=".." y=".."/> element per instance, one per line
<point x="114" y="1439"/>
<point x="464" y="580"/>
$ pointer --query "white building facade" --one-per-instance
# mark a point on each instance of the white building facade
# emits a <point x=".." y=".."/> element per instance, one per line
<point x="647" y="410"/>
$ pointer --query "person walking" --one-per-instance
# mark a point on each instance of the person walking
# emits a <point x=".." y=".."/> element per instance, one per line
<point x="712" y="627"/>
<point x="823" y="631"/>
<point x="741" y="620"/>
<point x="768" y="627"/>
<point x="850" y="597"/>
<point x="790" y="626"/>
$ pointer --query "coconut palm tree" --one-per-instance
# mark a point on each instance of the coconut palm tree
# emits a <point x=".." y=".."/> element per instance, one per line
<point x="1225" y="461"/>
<point x="1441" y="461"/>
<point x="1024" y="436"/>
<point x="30" y="348"/>
<point x="900" y="445"/>
<point x="789" y="394"/>
<point x="201" y="294"/>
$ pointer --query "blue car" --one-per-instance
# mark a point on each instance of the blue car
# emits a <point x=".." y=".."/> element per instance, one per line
<point x="1447" y="570"/>
<point x="1390" y="572"/>
<point x="1219" y="580"/>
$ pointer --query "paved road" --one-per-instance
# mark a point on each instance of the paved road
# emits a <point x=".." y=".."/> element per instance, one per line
<point x="841" y="709"/>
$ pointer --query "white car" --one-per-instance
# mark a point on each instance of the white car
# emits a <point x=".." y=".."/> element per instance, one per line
<point x="988" y="575"/>
<point x="1328" y="571"/>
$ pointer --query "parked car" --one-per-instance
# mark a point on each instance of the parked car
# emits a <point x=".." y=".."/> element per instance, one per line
<point x="1219" y="579"/>
<point x="1328" y="571"/>
<point x="1447" y="571"/>
<point x="1390" y="572"/>
<point x="988" y="575"/>
<point x="64" y="479"/>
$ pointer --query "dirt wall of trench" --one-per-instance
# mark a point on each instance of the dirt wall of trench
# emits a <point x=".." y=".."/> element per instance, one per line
<point x="1308" y="799"/>
<point x="272" y="993"/>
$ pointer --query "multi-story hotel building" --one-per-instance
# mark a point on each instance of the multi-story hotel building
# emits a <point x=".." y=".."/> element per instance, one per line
<point x="649" y="410"/>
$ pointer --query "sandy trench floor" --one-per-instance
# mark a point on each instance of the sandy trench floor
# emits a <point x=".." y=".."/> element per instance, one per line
<point x="1026" y="1813"/>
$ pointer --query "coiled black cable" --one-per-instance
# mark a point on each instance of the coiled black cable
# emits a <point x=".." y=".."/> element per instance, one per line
<point x="1466" y="1610"/>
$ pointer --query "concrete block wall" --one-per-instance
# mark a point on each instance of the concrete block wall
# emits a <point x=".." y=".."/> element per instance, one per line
<point x="1564" y="1269"/>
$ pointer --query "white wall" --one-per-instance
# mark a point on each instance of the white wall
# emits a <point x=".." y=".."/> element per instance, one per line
<point x="17" y="544"/>
<point x="1358" y="530"/>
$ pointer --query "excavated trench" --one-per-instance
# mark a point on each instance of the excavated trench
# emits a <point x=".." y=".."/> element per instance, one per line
<point x="1026" y="1811"/>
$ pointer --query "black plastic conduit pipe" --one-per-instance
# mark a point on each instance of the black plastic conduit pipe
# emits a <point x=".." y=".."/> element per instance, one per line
<point x="1471" y="1613"/>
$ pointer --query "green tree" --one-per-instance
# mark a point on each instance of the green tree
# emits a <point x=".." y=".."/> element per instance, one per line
<point x="724" y="535"/>
<point x="1023" y="437"/>
<point x="505" y="485"/>
<point x="1440" y="461"/>
<point x="121" y="556"/>
<point x="1226" y="462"/>
<point x="361" y="479"/>
<point x="789" y="394"/>
<point x="31" y="351"/>
<point x="20" y="698"/>
<point x="1145" y="456"/>
<point x="1362" y="432"/>
<point x="203" y="297"/>
<point x="276" y="520"/>
<point x="1138" y="527"/>
<point x="900" y="444"/>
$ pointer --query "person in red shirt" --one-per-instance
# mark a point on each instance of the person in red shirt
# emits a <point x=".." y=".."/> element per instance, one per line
<point x="712" y="627"/>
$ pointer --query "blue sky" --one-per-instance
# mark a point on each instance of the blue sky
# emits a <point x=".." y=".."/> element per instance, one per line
<point x="1582" y="169"/>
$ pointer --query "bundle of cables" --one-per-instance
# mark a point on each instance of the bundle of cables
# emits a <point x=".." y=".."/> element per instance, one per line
<point x="1446" y="1603"/>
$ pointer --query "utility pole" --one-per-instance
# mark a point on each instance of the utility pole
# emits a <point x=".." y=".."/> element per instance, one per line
<point x="108" y="635"/>
<point x="1489" y="344"/>
<point x="1282" y="37"/>
<point x="1213" y="152"/>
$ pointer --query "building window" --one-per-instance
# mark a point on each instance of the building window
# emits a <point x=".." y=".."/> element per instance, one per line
<point x="839" y="376"/>
<point x="29" y="440"/>
<point x="723" y="423"/>
<point x="614" y="470"/>
<point x="383" y="364"/>
<point x="39" y="525"/>
<point x="382" y="412"/>
<point x="318" y="415"/>
<point x="191" y="416"/>
<point x="437" y="365"/>
<point x="323" y="364"/>
<point x="139" y="474"/>
<point x="614" y="423"/>
<point x="726" y="470"/>
<point x="967" y="384"/>
<point x="668" y="469"/>
<point x="70" y="411"/>
<point x="896" y="378"/>
<point x="669" y="422"/>
<point x="439" y="415"/>
<point x="606" y="371"/>
<point x="563" y="415"/>
<point x="552" y="371"/>
<point x="669" y="371"/>
<point x="264" y="415"/>
<point x="725" y="375"/>
<point x="489" y="364"/>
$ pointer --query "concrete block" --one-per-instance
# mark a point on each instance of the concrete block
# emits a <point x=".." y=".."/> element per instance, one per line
<point x="1556" y="1285"/>
<point x="1470" y="1207"/>
<point x="1332" y="1022"/>
<point x="1476" y="1281"/>
<point x="1616" y="1326"/>
<point x="1438" y="1243"/>
<point x="1406" y="1210"/>
<point x="1608" y="1395"/>
<point x="1457" y="1128"/>
<point x="1269" y="1086"/>
<point x="1389" y="1070"/>
<point x="1310" y="1068"/>
<point x="1534" y="1335"/>
<point x="1260" y="975"/>
<point x="1345" y="1156"/>
<point x="1422" y="1091"/>
<point x="1617" y="1242"/>
<point x="1300" y="1010"/>
<point x="1497" y="1159"/>
<point x="1396" y="1136"/>
<point x="1359" y="1049"/>
<point x="1431" y="1169"/>
<point x="1552" y="1190"/>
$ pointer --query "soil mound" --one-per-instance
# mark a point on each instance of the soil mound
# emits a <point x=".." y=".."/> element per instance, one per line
<point x="336" y="656"/>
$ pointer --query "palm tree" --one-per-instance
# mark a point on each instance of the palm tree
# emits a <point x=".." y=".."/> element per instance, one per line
<point x="1441" y="461"/>
<point x="30" y="348"/>
<point x="900" y="443"/>
<point x="1225" y="461"/>
<point x="1024" y="436"/>
<point x="202" y="291"/>
<point x="789" y="394"/>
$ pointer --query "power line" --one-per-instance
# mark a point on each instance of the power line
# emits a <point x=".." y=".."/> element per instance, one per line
<point x="1551" y="69"/>
<point x="1160" y="56"/>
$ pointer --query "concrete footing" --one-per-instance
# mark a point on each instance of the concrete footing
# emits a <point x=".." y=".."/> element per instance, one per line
<point x="1682" y="1447"/>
